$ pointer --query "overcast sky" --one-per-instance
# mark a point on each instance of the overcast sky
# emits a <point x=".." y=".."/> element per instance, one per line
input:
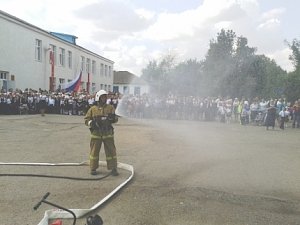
<point x="133" y="32"/>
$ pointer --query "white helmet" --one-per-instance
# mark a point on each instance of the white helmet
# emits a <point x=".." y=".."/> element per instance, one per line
<point x="98" y="95"/>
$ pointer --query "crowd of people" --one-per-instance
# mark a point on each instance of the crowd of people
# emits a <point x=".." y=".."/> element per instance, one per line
<point x="263" y="112"/>
<point x="36" y="102"/>
<point x="256" y="111"/>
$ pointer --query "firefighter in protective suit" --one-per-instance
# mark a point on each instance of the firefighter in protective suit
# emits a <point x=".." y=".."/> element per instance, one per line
<point x="99" y="119"/>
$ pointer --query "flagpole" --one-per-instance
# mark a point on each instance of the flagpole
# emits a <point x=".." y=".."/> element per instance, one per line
<point x="51" y="85"/>
<point x="88" y="84"/>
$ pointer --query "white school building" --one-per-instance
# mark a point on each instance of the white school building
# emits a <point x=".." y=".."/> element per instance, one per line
<point x="25" y="59"/>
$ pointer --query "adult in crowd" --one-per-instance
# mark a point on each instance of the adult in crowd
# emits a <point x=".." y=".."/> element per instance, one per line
<point x="271" y="116"/>
<point x="296" y="114"/>
<point x="43" y="103"/>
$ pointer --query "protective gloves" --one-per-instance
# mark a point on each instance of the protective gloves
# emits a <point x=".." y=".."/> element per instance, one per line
<point x="93" y="124"/>
<point x="111" y="117"/>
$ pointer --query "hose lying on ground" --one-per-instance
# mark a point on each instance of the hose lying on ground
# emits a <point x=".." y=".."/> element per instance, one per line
<point x="56" y="214"/>
<point x="49" y="176"/>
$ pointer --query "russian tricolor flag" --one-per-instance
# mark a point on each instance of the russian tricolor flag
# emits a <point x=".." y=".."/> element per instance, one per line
<point x="72" y="86"/>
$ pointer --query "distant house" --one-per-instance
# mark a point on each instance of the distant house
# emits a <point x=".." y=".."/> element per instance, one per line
<point x="127" y="83"/>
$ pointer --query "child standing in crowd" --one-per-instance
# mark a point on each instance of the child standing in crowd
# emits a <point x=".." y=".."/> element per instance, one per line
<point x="283" y="114"/>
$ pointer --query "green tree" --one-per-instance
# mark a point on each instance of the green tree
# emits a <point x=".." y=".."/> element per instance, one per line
<point x="274" y="75"/>
<point x="151" y="74"/>
<point x="218" y="63"/>
<point x="230" y="68"/>
<point x="292" y="87"/>
<point x="233" y="69"/>
<point x="292" y="82"/>
<point x="241" y="81"/>
<point x="157" y="74"/>
<point x="295" y="57"/>
<point x="186" y="78"/>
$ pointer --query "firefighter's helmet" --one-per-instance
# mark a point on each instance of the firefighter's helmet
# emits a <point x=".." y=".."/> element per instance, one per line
<point x="99" y="93"/>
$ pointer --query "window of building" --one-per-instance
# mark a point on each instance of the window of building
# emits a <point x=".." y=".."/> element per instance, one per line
<point x="109" y="87"/>
<point x="101" y="86"/>
<point x="3" y="75"/>
<point x="82" y="63"/>
<point x="53" y="50"/>
<point x="125" y="90"/>
<point x="101" y="69"/>
<point x="12" y="77"/>
<point x="70" y="59"/>
<point x="93" y="67"/>
<point x="105" y="70"/>
<point x="88" y="65"/>
<point x="93" y="89"/>
<point x="116" y="89"/>
<point x="62" y="57"/>
<point x="105" y="87"/>
<point x="109" y="71"/>
<point x="61" y="81"/>
<point x="137" y="90"/>
<point x="38" y="50"/>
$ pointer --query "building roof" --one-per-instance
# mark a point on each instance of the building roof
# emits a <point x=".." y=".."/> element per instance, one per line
<point x="125" y="77"/>
<point x="60" y="36"/>
<point x="67" y="37"/>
